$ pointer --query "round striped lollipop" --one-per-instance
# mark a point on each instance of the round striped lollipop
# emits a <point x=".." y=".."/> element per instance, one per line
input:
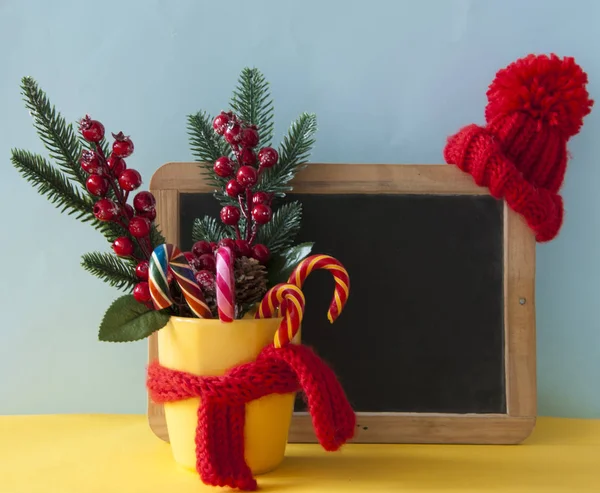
<point x="340" y="275"/>
<point x="163" y="257"/>
<point x="289" y="299"/>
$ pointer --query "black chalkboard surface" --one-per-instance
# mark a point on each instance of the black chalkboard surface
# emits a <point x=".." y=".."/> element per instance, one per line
<point x="437" y="341"/>
<point x="426" y="297"/>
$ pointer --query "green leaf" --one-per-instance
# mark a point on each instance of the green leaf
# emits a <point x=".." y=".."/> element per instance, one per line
<point x="209" y="229"/>
<point x="252" y="102"/>
<point x="111" y="269"/>
<point x="280" y="231"/>
<point x="294" y="152"/>
<point x="281" y="265"/>
<point x="58" y="137"/>
<point x="52" y="183"/>
<point x="127" y="320"/>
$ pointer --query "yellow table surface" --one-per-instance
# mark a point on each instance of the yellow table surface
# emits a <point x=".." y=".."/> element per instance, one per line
<point x="119" y="453"/>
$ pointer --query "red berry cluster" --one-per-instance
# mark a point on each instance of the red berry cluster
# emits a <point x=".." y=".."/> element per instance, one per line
<point x="111" y="172"/>
<point x="244" y="169"/>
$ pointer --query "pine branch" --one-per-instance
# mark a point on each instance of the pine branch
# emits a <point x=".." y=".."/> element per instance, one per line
<point x="110" y="269"/>
<point x="52" y="183"/>
<point x="209" y="229"/>
<point x="280" y="231"/>
<point x="58" y="137"/>
<point x="252" y="102"/>
<point x="206" y="145"/>
<point x="156" y="237"/>
<point x="293" y="155"/>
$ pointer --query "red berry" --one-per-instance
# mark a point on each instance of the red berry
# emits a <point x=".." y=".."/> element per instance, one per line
<point x="230" y="215"/>
<point x="139" y="227"/>
<point x="247" y="176"/>
<point x="141" y="292"/>
<point x="261" y="198"/>
<point x="213" y="245"/>
<point x="129" y="212"/>
<point x="242" y="248"/>
<point x="267" y="157"/>
<point x="144" y="202"/>
<point x="249" y="137"/>
<point x="130" y="179"/>
<point x="97" y="185"/>
<point x="122" y="146"/>
<point x="206" y="280"/>
<point x="207" y="262"/>
<point x="201" y="247"/>
<point x="141" y="270"/>
<point x="261" y="213"/>
<point x="220" y="123"/>
<point x="261" y="253"/>
<point x="227" y="242"/>
<point x="90" y="162"/>
<point x="247" y="157"/>
<point x="92" y="130"/>
<point x="116" y="165"/>
<point x="106" y="210"/>
<point x="123" y="246"/>
<point x="233" y="133"/>
<point x="150" y="215"/>
<point x="223" y="167"/>
<point x="189" y="256"/>
<point x="233" y="188"/>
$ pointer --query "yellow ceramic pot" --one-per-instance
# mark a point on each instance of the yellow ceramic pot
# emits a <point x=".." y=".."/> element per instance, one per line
<point x="211" y="347"/>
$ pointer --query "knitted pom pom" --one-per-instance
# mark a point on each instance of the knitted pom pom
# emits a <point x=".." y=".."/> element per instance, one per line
<point x="551" y="89"/>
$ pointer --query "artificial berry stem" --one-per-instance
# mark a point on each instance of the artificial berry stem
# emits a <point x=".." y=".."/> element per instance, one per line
<point x="249" y="219"/>
<point x="122" y="202"/>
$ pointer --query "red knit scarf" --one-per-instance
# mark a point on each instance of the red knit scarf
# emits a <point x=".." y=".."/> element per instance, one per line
<point x="220" y="431"/>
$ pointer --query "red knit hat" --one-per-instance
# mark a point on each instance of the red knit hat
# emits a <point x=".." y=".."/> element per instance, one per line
<point x="535" y="105"/>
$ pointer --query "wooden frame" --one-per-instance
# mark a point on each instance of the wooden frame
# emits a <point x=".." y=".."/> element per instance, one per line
<point x="173" y="179"/>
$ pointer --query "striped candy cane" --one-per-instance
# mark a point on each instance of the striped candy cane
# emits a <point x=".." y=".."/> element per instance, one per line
<point x="290" y="300"/>
<point x="163" y="257"/>
<point x="340" y="275"/>
<point x="225" y="284"/>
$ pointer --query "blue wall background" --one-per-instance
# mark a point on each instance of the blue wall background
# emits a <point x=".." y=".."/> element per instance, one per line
<point x="389" y="81"/>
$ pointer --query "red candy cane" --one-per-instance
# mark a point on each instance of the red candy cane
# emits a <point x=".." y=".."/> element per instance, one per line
<point x="290" y="300"/>
<point x="340" y="275"/>
<point x="225" y="284"/>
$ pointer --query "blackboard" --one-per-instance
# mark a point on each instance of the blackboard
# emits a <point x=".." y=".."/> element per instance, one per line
<point x="425" y="333"/>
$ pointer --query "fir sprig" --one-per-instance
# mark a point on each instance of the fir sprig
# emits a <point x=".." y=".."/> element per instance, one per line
<point x="58" y="137"/>
<point x="293" y="155"/>
<point x="280" y="231"/>
<point x="111" y="269"/>
<point x="209" y="229"/>
<point x="206" y="146"/>
<point x="252" y="102"/>
<point x="50" y="182"/>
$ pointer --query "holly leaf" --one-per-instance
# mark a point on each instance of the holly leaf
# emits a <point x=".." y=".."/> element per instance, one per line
<point x="127" y="320"/>
<point x="282" y="264"/>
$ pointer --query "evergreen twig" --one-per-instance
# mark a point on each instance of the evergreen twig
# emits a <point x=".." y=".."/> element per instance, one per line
<point x="252" y="102"/>
<point x="50" y="182"/>
<point x="58" y="137"/>
<point x="206" y="146"/>
<point x="209" y="229"/>
<point x="280" y="231"/>
<point x="293" y="154"/>
<point x="110" y="269"/>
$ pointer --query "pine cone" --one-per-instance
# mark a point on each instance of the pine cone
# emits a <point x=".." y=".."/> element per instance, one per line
<point x="250" y="286"/>
<point x="250" y="283"/>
